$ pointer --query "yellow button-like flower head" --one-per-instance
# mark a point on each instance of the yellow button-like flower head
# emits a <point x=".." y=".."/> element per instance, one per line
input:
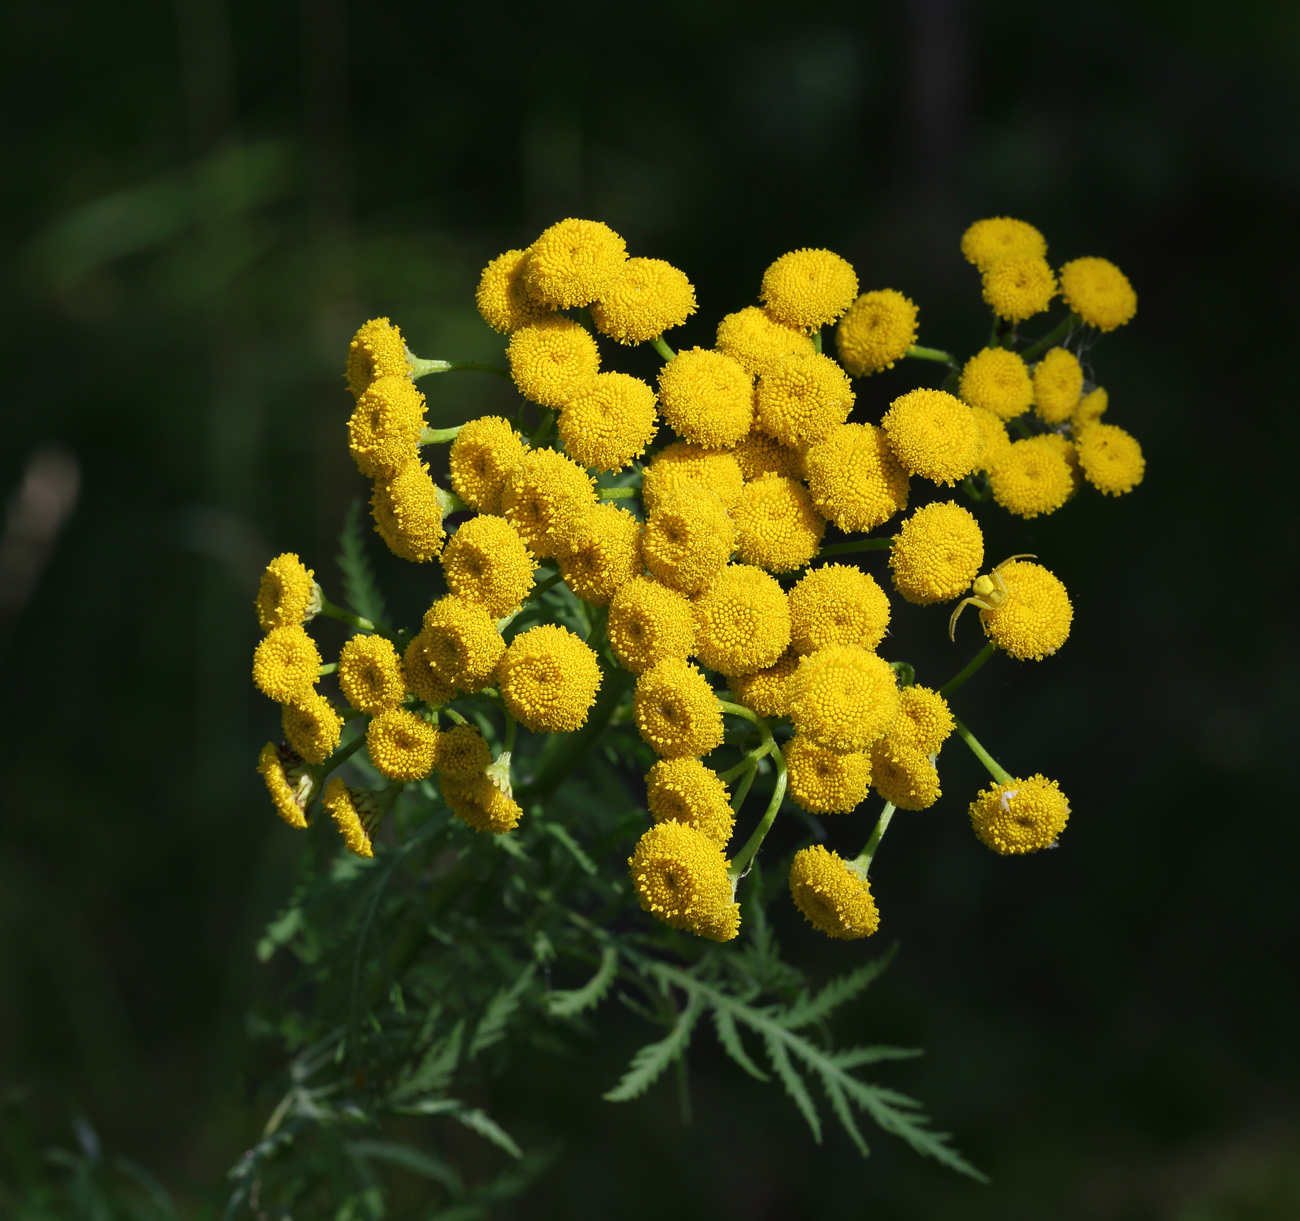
<point x="286" y="593"/>
<point x="542" y="497"/>
<point x="1000" y="237"/>
<point x="680" y="877"/>
<point x="548" y="679"/>
<point x="833" y="894"/>
<point x="924" y="720"/>
<point x="684" y="790"/>
<point x="286" y="663"/>
<point x="823" y="781"/>
<point x="1058" y="383"/>
<point x="648" y="298"/>
<point x="418" y="674"/>
<point x="676" y="710"/>
<point x="1022" y="816"/>
<point x="843" y="697"/>
<point x="904" y="775"/>
<point x="777" y="527"/>
<point x="401" y="745"/>
<point x="480" y="804"/>
<point x="407" y="513"/>
<point x="1033" y="620"/>
<point x="994" y="441"/>
<point x="575" y="262"/>
<point x="461" y="642"/>
<point x="855" y="479"/>
<point x="649" y="622"/>
<point x="758" y="454"/>
<point x="809" y="288"/>
<point x="707" y="397"/>
<point x="370" y="674"/>
<point x="377" y="350"/>
<point x="311" y="726"/>
<point x="502" y="296"/>
<point x="688" y="539"/>
<point x="385" y="426"/>
<point x="552" y="360"/>
<point x="878" y="329"/>
<point x="1098" y="292"/>
<point x="1091" y="408"/>
<point x="483" y="454"/>
<point x="937" y="554"/>
<point x="801" y="399"/>
<point x="1033" y="477"/>
<point x="354" y="812"/>
<point x="291" y="785"/>
<point x="933" y="435"/>
<point x="766" y="692"/>
<point x="1111" y="459"/>
<point x="1019" y="286"/>
<point x="1066" y="448"/>
<point x="600" y="552"/>
<point x="742" y="621"/>
<point x="998" y="381"/>
<point x="681" y="463"/>
<point x="837" y="604"/>
<point x="756" y="339"/>
<point x="609" y="423"/>
<point x="486" y="561"/>
<point x="462" y="754"/>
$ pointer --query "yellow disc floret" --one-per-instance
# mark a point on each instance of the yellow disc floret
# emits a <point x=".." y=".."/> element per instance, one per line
<point x="1098" y="292"/>
<point x="756" y="339"/>
<point x="688" y="538"/>
<point x="649" y="622"/>
<point x="502" y="296"/>
<point x="486" y="561"/>
<point x="904" y="775"/>
<point x="552" y="360"/>
<point x="461" y="642"/>
<point x="370" y="674"/>
<point x="408" y="514"/>
<point x="937" y="553"/>
<point x="286" y="664"/>
<point x="843" y="697"/>
<point x="1033" y="619"/>
<point x="823" y="781"/>
<point x="680" y="877"/>
<point x="924" y="720"/>
<point x="354" y="812"/>
<point x="809" y="288"/>
<point x="648" y="298"/>
<point x="610" y="422"/>
<point x="418" y="673"/>
<point x="1000" y="237"/>
<point x="600" y="552"/>
<point x="676" y="710"/>
<point x="1019" y="286"/>
<point x="385" y="427"/>
<point x="681" y="463"/>
<point x="377" y="350"/>
<point x="766" y="692"/>
<point x="462" y="754"/>
<point x="480" y="804"/>
<point x="933" y="435"/>
<point x="483" y="454"/>
<point x="575" y="262"/>
<point x="1091" y="408"/>
<point x="801" y="399"/>
<point x="1058" y="383"/>
<point x="837" y="604"/>
<point x="878" y="329"/>
<point x="833" y="894"/>
<point x="1033" y="477"/>
<point x="1110" y="458"/>
<point x="291" y="785"/>
<point x="1021" y="815"/>
<point x="854" y="478"/>
<point x="549" y="679"/>
<point x="998" y="381"/>
<point x="707" y="397"/>
<point x="684" y="790"/>
<point x="401" y="745"/>
<point x="777" y="527"/>
<point x="758" y="454"/>
<point x="542" y="497"/>
<point x="742" y="621"/>
<point x="286" y="593"/>
<point x="994" y="441"/>
<point x="311" y="726"/>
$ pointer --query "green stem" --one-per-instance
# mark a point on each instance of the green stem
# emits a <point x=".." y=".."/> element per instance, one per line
<point x="615" y="493"/>
<point x="538" y="590"/>
<point x="817" y="339"/>
<point x="328" y="609"/>
<point x="882" y="825"/>
<point x="742" y="789"/>
<point x="455" y="716"/>
<point x="996" y="770"/>
<point x="662" y="348"/>
<point x="543" y="428"/>
<point x="1060" y="331"/>
<point x="439" y="436"/>
<point x="512" y="731"/>
<point x="864" y="544"/>
<point x="328" y="668"/>
<point x="742" y="711"/>
<point x="755" y="841"/>
<point x="449" y="502"/>
<point x="971" y="666"/>
<point x="420" y="367"/>
<point x="917" y="352"/>
<point x="750" y="760"/>
<point x="599" y="617"/>
<point x="339" y="757"/>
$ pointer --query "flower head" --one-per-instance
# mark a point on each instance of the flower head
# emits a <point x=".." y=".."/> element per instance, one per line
<point x="543" y="494"/>
<point x="854" y="478"/>
<point x="758" y="454"/>
<point x="418" y="673"/>
<point x="311" y="726"/>
<point x="1110" y="458"/>
<point x="552" y="360"/>
<point x="286" y="593"/>
<point x="766" y="692"/>
<point x="649" y="297"/>
<point x="837" y="604"/>
<point x="682" y="463"/>
<point x="824" y="781"/>
<point x="756" y="339"/>
<point x="480" y="804"/>
<point x="1019" y="286"/>
<point x="462" y="754"/>
<point x="549" y="679"/>
<point x="994" y="441"/>
<point x="1020" y="816"/>
<point x="600" y="552"/>
<point x="649" y="622"/>
<point x="1058" y="383"/>
<point x="1033" y="477"/>
<point x="809" y="288"/>
<point x="461" y="642"/>
<point x="486" y="561"/>
<point x="777" y="527"/>
<point x="291" y="785"/>
<point x="833" y="894"/>
<point x="878" y="329"/>
<point x="1033" y="620"/>
<point x="688" y="538"/>
<point x="401" y="745"/>
<point x="574" y="262"/>
<point x="707" y="397"/>
<point x="1067" y="449"/>
<point x="377" y="350"/>
<point x="1098" y="292"/>
<point x="1000" y="237"/>
<point x="904" y="774"/>
<point x="385" y="426"/>
<point x="286" y="663"/>
<point x="370" y="674"/>
<point x="676" y="710"/>
<point x="933" y="435"/>
<point x="680" y="877"/>
<point x="843" y="697"/>
<point x="355" y="812"/>
<point x="483" y="454"/>
<point x="408" y="514"/>
<point x="502" y="296"/>
<point x="742" y="621"/>
<point x="610" y="422"/>
<point x="924" y="720"/>
<point x="684" y="790"/>
<point x="937" y="553"/>
<point x="801" y="399"/>
<point x="1091" y="408"/>
<point x="998" y="381"/>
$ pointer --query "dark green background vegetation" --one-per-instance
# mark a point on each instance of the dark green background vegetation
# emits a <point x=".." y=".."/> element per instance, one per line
<point x="202" y="200"/>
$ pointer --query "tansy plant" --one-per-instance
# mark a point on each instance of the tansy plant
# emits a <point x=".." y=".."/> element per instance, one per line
<point x="641" y="584"/>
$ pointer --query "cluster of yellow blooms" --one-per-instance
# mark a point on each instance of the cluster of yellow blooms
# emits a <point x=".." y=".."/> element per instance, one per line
<point x="719" y="572"/>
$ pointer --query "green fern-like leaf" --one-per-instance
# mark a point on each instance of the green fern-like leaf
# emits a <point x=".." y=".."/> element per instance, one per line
<point x="806" y="1010"/>
<point x="649" y="1064"/>
<point x="501" y="1008"/>
<point x="579" y="1000"/>
<point x="360" y="589"/>
<point x="729" y="1037"/>
<point x="436" y="1069"/>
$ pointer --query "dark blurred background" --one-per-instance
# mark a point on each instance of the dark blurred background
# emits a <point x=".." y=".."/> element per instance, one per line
<point x="203" y="199"/>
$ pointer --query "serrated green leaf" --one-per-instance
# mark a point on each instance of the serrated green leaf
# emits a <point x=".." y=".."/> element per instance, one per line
<point x="411" y="1159"/>
<point x="360" y="589"/>
<point x="436" y="1068"/>
<point x="649" y="1064"/>
<point x="807" y="1010"/>
<point x="853" y="1057"/>
<point x="560" y="834"/>
<point x="729" y="1037"/>
<point x="500" y="1009"/>
<point x="840" y="1105"/>
<point x="487" y="1127"/>
<point x="279" y="932"/>
<point x="571" y="1002"/>
<point x="794" y="1086"/>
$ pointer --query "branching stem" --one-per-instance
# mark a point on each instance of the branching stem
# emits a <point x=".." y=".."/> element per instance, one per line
<point x="1060" y="331"/>
<point x="882" y="825"/>
<point x="421" y="367"/>
<point x="615" y="493"/>
<point x="864" y="544"/>
<point x="971" y="666"/>
<point x="662" y="348"/>
<point x="328" y="609"/>
<point x="996" y="770"/>
<point x="938" y="355"/>
<point x="439" y="436"/>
